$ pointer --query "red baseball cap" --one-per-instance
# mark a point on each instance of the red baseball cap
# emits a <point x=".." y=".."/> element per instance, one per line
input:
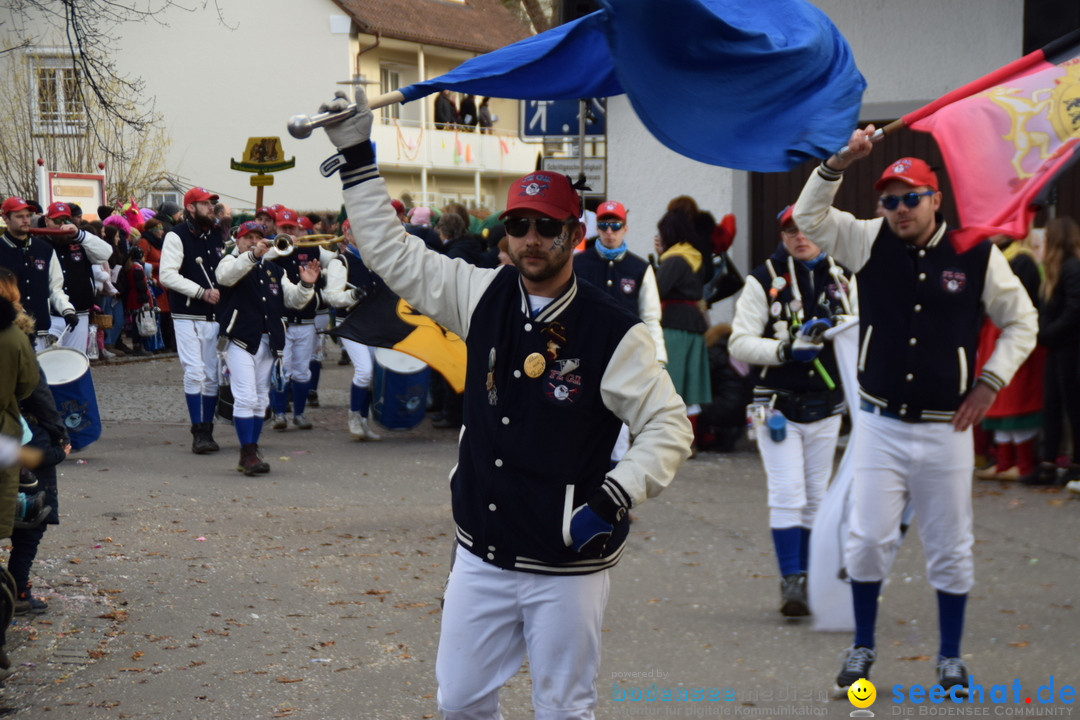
<point x="611" y="209"/>
<point x="909" y="170"/>
<point x="198" y="194"/>
<point x="251" y="226"/>
<point x="286" y="218"/>
<point x="305" y="222"/>
<point x="785" y="215"/>
<point x="59" y="210"/>
<point x="14" y="204"/>
<point x="398" y="206"/>
<point x="551" y="193"/>
<point x="265" y="211"/>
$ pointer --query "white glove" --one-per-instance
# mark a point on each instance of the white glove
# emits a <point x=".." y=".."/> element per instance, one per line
<point x="353" y="130"/>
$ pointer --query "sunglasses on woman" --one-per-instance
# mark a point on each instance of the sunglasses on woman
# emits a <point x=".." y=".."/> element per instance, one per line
<point x="911" y="199"/>
<point x="545" y="227"/>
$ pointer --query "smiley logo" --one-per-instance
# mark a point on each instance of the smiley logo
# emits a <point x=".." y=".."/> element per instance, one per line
<point x="862" y="693"/>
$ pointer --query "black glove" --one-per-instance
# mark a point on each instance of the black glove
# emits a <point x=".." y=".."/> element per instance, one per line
<point x="71" y="319"/>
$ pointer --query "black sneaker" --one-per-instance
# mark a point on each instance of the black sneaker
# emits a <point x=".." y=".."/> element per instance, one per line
<point x="313" y="398"/>
<point x="793" y="601"/>
<point x="857" y="663"/>
<point x="952" y="671"/>
<point x="27" y="604"/>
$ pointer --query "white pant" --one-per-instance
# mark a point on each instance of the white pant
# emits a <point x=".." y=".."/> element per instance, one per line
<point x="77" y="338"/>
<point x="362" y="361"/>
<point x="250" y="378"/>
<point x="798" y="470"/>
<point x="296" y="357"/>
<point x="322" y="324"/>
<point x="930" y="464"/>
<point x="492" y="616"/>
<point x="196" y="345"/>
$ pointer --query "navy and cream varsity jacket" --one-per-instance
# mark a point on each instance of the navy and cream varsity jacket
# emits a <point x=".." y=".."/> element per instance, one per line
<point x="255" y="297"/>
<point x="181" y="275"/>
<point x="41" y="280"/>
<point x="535" y="444"/>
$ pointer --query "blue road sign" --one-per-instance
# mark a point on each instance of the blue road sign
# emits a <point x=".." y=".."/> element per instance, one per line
<point x="559" y="118"/>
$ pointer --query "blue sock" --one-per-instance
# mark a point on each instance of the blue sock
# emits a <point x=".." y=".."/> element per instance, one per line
<point x="256" y="428"/>
<point x="316" y="370"/>
<point x="299" y="397"/>
<point x="950" y="622"/>
<point x="245" y="429"/>
<point x="278" y="401"/>
<point x="209" y="405"/>
<point x="804" y="551"/>
<point x="864" y="597"/>
<point x="786" y="541"/>
<point x="359" y="399"/>
<point x="194" y="407"/>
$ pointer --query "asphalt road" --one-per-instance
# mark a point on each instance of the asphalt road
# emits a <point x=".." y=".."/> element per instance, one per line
<point x="179" y="588"/>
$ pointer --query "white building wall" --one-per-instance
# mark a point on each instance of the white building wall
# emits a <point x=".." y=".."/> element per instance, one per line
<point x="909" y="53"/>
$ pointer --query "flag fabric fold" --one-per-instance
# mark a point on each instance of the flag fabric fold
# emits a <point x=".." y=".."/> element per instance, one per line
<point x="750" y="86"/>
<point x="1006" y="137"/>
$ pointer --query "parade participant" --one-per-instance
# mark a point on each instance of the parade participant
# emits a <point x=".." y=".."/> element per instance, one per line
<point x="77" y="258"/>
<point x="627" y="278"/>
<point x="265" y="216"/>
<point x="300" y="335"/>
<point x="37" y="268"/>
<point x="348" y="285"/>
<point x="189" y="255"/>
<point x="920" y="304"/>
<point x="540" y="517"/>
<point x="256" y="294"/>
<point x="780" y="317"/>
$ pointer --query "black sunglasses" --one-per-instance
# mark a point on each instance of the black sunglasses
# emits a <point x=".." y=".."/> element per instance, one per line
<point x="613" y="226"/>
<point x="545" y="227"/>
<point x="911" y="199"/>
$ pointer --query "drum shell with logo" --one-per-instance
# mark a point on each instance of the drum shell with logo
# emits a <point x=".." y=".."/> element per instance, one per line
<point x="67" y="372"/>
<point x="401" y="389"/>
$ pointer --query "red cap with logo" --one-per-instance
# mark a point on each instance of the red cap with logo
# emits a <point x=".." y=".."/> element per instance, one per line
<point x="611" y="208"/>
<point x="265" y="211"/>
<point x="305" y="222"/>
<point x="14" y="204"/>
<point x="59" y="210"/>
<point x="251" y="226"/>
<point x="909" y="170"/>
<point x="198" y="194"/>
<point x="550" y="193"/>
<point x="286" y="218"/>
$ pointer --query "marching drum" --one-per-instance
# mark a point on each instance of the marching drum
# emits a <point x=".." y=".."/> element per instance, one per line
<point x="401" y="389"/>
<point x="68" y="373"/>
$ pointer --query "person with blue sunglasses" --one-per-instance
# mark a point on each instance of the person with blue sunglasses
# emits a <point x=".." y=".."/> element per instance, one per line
<point x="921" y="301"/>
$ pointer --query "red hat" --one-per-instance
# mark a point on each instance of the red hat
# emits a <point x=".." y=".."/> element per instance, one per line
<point x="399" y="206"/>
<point x="198" y="194"/>
<point x="249" y="227"/>
<point x="14" y="204"/>
<point x="346" y="225"/>
<point x="59" y="210"/>
<point x="551" y="193"/>
<point x="265" y="211"/>
<point x="611" y="209"/>
<point x="305" y="222"/>
<point x="912" y="171"/>
<point x="785" y="215"/>
<point x="286" y="218"/>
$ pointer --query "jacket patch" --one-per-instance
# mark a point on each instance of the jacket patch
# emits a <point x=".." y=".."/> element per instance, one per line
<point x="562" y="385"/>
<point x="39" y="264"/>
<point x="953" y="281"/>
<point x="628" y="285"/>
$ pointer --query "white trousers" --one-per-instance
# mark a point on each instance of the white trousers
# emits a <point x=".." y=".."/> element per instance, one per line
<point x="798" y="470"/>
<point x="196" y="346"/>
<point x="299" y="347"/>
<point x="928" y="464"/>
<point x="493" y="616"/>
<point x="250" y="378"/>
<point x="322" y="323"/>
<point x="77" y="338"/>
<point x="362" y="357"/>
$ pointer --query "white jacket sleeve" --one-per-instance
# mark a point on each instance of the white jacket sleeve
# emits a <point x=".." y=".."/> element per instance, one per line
<point x="96" y="249"/>
<point x="233" y="268"/>
<point x="172" y="254"/>
<point x="751" y="317"/>
<point x="337" y="291"/>
<point x="1009" y="307"/>
<point x="296" y="295"/>
<point x="57" y="297"/>
<point x="649" y="312"/>
<point x="640" y="393"/>
<point x="442" y="288"/>
<point x="840" y="234"/>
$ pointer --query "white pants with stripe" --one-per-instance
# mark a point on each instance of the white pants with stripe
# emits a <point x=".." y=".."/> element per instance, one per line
<point x="77" y="338"/>
<point x="798" y="470"/>
<point x="250" y="377"/>
<point x="296" y="357"/>
<point x="196" y="346"/>
<point x="492" y="617"/>
<point x="928" y="464"/>
<point x="362" y="357"/>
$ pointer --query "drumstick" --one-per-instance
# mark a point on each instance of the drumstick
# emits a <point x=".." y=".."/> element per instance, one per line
<point x="838" y="274"/>
<point x="205" y="274"/>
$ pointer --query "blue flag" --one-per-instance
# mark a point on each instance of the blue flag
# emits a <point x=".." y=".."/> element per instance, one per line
<point x="759" y="86"/>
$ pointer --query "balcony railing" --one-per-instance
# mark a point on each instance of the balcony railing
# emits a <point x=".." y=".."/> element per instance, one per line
<point x="404" y="144"/>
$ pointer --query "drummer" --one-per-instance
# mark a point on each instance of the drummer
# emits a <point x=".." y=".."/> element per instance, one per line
<point x="349" y="284"/>
<point x="78" y="255"/>
<point x="257" y="294"/>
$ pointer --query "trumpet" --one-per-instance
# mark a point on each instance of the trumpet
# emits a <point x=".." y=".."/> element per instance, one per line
<point x="283" y="244"/>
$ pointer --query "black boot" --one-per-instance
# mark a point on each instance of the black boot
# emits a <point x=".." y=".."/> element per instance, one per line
<point x="208" y="429"/>
<point x="201" y="442"/>
<point x="250" y="462"/>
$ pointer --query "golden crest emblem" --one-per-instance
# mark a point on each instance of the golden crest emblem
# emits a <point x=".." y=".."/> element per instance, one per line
<point x="1065" y="102"/>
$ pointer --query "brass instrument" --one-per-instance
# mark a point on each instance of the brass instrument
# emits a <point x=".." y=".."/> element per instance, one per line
<point x="56" y="237"/>
<point x="318" y="240"/>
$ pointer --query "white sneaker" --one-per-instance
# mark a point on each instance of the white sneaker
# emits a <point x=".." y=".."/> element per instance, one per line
<point x="107" y="355"/>
<point x="301" y="422"/>
<point x="371" y="434"/>
<point x="280" y="423"/>
<point x="356" y="426"/>
<point x="1073" y="486"/>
